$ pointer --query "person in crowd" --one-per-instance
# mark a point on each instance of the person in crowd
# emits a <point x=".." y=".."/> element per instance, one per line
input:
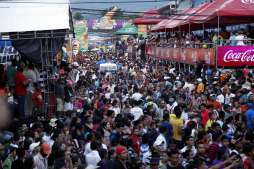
<point x="20" y="88"/>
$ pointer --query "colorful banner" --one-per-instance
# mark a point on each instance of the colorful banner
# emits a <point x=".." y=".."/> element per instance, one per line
<point x="81" y="31"/>
<point x="235" y="55"/>
<point x="104" y="23"/>
<point x="188" y="56"/>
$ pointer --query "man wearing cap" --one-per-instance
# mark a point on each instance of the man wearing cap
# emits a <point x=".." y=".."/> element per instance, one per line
<point x="41" y="159"/>
<point x="121" y="153"/>
<point x="35" y="148"/>
<point x="200" y="85"/>
<point x="250" y="116"/>
<point x="21" y="132"/>
<point x="163" y="131"/>
<point x="216" y="105"/>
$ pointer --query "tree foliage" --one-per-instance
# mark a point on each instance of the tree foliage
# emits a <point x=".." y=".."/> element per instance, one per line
<point x="78" y="16"/>
<point x="118" y="13"/>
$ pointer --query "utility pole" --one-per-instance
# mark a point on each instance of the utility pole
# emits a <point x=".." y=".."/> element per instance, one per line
<point x="154" y="4"/>
<point x="175" y="6"/>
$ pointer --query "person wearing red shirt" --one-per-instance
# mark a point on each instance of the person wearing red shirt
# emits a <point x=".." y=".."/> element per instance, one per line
<point x="249" y="162"/>
<point x="38" y="100"/>
<point x="20" y="88"/>
<point x="202" y="137"/>
<point x="204" y="113"/>
<point x="134" y="136"/>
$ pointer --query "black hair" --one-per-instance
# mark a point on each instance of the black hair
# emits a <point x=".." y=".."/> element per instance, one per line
<point x="27" y="143"/>
<point x="114" y="142"/>
<point x="74" y="159"/>
<point x="130" y="142"/>
<point x="102" y="153"/>
<point x="111" y="152"/>
<point x="145" y="138"/>
<point x="16" y="137"/>
<point x="224" y="137"/>
<point x="215" y="136"/>
<point x="222" y="114"/>
<point x="110" y="112"/>
<point x="47" y="128"/>
<point x="20" y="152"/>
<point x="20" y="69"/>
<point x="29" y="133"/>
<point x="201" y="134"/>
<point x="187" y="153"/>
<point x="74" y="121"/>
<point x="210" y="114"/>
<point x="166" y="152"/>
<point x="29" y="162"/>
<point x="174" y="151"/>
<point x="94" y="145"/>
<point x="215" y="124"/>
<point x="119" y="125"/>
<point x="55" y="135"/>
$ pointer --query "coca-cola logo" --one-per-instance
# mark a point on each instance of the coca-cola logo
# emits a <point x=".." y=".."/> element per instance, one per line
<point x="207" y="57"/>
<point x="247" y="56"/>
<point x="153" y="51"/>
<point x="247" y="1"/>
<point x="183" y="57"/>
<point x="149" y="51"/>
<point x="194" y="56"/>
<point x="175" y="53"/>
<point x="168" y="52"/>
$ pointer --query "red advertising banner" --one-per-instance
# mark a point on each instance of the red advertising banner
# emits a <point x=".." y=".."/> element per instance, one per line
<point x="235" y="55"/>
<point x="188" y="56"/>
<point x="130" y="49"/>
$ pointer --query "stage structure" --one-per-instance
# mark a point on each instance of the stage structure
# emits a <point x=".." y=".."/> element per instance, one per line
<point x="37" y="30"/>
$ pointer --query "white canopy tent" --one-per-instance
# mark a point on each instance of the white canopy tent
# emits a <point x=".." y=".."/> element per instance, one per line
<point x="35" y="15"/>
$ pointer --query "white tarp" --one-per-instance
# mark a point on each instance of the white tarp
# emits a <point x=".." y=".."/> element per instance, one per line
<point x="34" y="15"/>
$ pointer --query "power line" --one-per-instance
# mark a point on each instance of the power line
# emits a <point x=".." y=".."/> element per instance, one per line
<point x="91" y="2"/>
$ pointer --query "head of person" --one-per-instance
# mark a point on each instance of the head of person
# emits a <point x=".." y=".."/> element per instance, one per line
<point x="224" y="141"/>
<point x="158" y="146"/>
<point x="121" y="153"/>
<point x="45" y="149"/>
<point x="200" y="147"/>
<point x="174" y="156"/>
<point x="29" y="163"/>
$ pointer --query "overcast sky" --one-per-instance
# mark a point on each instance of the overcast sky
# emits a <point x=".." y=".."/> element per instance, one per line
<point x="127" y="6"/>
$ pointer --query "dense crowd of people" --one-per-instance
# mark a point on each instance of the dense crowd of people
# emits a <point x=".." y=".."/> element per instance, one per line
<point x="207" y="40"/>
<point x="146" y="115"/>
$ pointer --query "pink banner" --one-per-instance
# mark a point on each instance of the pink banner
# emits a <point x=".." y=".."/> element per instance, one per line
<point x="235" y="55"/>
<point x="183" y="55"/>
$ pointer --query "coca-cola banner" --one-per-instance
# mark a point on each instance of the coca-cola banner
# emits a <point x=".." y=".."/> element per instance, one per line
<point x="188" y="56"/>
<point x="235" y="55"/>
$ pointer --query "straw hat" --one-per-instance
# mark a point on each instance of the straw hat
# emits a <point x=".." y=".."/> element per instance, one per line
<point x="53" y="122"/>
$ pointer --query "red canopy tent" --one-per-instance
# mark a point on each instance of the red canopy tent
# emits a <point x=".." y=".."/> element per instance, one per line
<point x="187" y="15"/>
<point x="162" y="24"/>
<point x="226" y="12"/>
<point x="148" y="18"/>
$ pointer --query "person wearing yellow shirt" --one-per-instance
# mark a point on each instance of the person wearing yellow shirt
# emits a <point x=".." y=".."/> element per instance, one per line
<point x="177" y="127"/>
<point x="200" y="85"/>
<point x="210" y="121"/>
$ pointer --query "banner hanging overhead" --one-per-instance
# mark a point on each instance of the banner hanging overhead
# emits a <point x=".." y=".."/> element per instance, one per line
<point x="188" y="56"/>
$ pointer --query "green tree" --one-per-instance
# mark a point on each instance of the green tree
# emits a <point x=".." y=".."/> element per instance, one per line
<point x="78" y="16"/>
<point x="118" y="13"/>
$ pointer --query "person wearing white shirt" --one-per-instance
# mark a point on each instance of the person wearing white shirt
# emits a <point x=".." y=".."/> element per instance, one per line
<point x="111" y="86"/>
<point x="239" y="39"/>
<point x="163" y="130"/>
<point x="136" y="111"/>
<point x="136" y="96"/>
<point x="93" y="158"/>
<point x="190" y="145"/>
<point x="228" y="96"/>
<point x="97" y="136"/>
<point x="189" y="85"/>
<point x="220" y="97"/>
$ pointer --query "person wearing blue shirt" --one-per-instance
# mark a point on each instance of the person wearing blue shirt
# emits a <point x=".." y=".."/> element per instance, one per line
<point x="170" y="131"/>
<point x="250" y="116"/>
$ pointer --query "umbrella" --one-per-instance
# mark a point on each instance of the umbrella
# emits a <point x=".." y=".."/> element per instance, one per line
<point x="127" y="30"/>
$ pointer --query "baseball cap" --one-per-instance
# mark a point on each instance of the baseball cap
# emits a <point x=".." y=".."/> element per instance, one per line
<point x="199" y="79"/>
<point x="163" y="129"/>
<point x="158" y="143"/>
<point x="21" y="129"/>
<point x="171" y="100"/>
<point x="154" y="161"/>
<point x="212" y="95"/>
<point x="33" y="145"/>
<point x="177" y="78"/>
<point x="46" y="148"/>
<point x="38" y="130"/>
<point x="250" y="105"/>
<point x="214" y="82"/>
<point x="120" y="149"/>
<point x="150" y="103"/>
<point x="7" y="137"/>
